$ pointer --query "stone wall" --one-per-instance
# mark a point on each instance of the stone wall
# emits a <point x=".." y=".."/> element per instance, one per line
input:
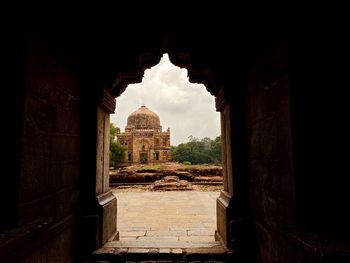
<point x="153" y="142"/>
<point x="286" y="144"/>
<point x="296" y="209"/>
<point x="50" y="159"/>
<point x="270" y="148"/>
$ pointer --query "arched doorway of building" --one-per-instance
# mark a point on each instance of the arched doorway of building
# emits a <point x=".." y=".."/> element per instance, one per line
<point x="143" y="157"/>
<point x="224" y="201"/>
<point x="171" y="107"/>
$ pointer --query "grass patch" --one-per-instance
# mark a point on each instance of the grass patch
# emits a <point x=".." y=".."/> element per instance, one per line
<point x="198" y="166"/>
<point x="149" y="167"/>
<point x="193" y="166"/>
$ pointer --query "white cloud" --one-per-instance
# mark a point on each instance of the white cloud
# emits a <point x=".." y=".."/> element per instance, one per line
<point x="186" y="108"/>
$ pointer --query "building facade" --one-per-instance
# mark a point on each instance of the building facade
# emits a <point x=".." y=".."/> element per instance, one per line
<point x="144" y="138"/>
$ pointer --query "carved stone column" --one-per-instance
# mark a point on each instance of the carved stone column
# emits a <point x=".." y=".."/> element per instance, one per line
<point x="224" y="201"/>
<point x="107" y="202"/>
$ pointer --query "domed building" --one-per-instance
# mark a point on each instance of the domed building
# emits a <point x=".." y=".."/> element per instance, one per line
<point x="144" y="138"/>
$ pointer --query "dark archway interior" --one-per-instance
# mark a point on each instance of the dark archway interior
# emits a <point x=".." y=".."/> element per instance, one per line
<point x="280" y="91"/>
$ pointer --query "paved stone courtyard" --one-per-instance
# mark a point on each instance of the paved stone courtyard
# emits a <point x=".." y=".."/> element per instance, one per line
<point x="167" y="221"/>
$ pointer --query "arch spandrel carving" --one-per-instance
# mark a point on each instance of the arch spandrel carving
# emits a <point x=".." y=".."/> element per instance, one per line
<point x="123" y="78"/>
<point x="196" y="74"/>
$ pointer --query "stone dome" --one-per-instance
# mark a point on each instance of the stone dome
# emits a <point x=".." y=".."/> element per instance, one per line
<point x="143" y="118"/>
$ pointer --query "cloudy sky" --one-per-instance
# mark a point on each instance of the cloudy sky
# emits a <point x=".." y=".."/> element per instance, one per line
<point x="186" y="108"/>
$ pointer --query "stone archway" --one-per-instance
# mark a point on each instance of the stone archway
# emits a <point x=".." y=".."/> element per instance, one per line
<point x="224" y="202"/>
<point x="265" y="78"/>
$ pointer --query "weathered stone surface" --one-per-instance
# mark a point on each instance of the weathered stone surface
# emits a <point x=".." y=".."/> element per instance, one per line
<point x="144" y="138"/>
<point x="208" y="179"/>
<point x="171" y="183"/>
<point x="281" y="83"/>
<point x="139" y="174"/>
<point x="108" y="211"/>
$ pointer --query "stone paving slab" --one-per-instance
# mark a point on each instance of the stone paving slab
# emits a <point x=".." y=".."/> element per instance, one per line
<point x="166" y="220"/>
<point x="165" y="227"/>
<point x="163" y="243"/>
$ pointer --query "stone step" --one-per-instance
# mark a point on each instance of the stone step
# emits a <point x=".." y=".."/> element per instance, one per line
<point x="163" y="243"/>
<point x="142" y="254"/>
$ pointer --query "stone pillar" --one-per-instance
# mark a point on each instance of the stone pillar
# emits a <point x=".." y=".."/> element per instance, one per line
<point x="234" y="225"/>
<point x="224" y="201"/>
<point x="107" y="202"/>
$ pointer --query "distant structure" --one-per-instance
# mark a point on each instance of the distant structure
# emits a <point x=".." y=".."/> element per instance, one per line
<point x="144" y="139"/>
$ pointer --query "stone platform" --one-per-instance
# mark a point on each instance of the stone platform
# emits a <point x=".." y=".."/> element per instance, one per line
<point x="136" y="174"/>
<point x="159" y="224"/>
<point x="171" y="183"/>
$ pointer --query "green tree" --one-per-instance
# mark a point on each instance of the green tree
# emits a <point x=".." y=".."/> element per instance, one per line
<point x="113" y="130"/>
<point x="215" y="150"/>
<point x="116" y="150"/>
<point x="198" y="151"/>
